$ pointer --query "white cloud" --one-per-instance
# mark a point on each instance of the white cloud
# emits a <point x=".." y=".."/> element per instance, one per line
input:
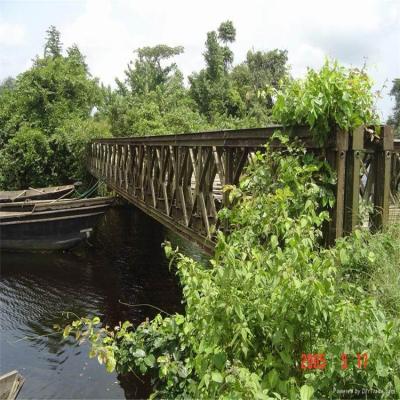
<point x="11" y="34"/>
<point x="106" y="43"/>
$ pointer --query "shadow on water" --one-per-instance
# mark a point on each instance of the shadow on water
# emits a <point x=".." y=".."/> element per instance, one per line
<point x="123" y="261"/>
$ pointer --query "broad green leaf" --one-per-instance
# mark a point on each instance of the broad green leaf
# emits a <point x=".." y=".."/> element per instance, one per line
<point x="179" y="319"/>
<point x="67" y="331"/>
<point x="219" y="360"/>
<point x="139" y="353"/>
<point x="110" y="363"/>
<point x="217" y="377"/>
<point x="273" y="378"/>
<point x="274" y="241"/>
<point x="344" y="258"/>
<point x="306" y="392"/>
<point x="150" y="360"/>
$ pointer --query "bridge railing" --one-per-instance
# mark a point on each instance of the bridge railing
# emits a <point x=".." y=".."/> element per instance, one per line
<point x="178" y="179"/>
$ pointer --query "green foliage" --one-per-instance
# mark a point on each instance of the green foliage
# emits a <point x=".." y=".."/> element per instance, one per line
<point x="7" y="84"/>
<point x="261" y="69"/>
<point x="53" y="46"/>
<point x="56" y="92"/>
<point x="270" y="294"/>
<point x="395" y="118"/>
<point x="152" y="99"/>
<point x="148" y="73"/>
<point x="24" y="160"/>
<point x="375" y="262"/>
<point x="227" y="32"/>
<point x="166" y="109"/>
<point x="212" y="88"/>
<point x="333" y="97"/>
<point x="68" y="145"/>
<point x="223" y="93"/>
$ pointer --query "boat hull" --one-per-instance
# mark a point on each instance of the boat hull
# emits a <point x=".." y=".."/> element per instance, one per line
<point x="36" y="194"/>
<point x="58" y="229"/>
<point x="10" y="385"/>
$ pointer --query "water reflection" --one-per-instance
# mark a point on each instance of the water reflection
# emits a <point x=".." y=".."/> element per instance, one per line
<point x="123" y="262"/>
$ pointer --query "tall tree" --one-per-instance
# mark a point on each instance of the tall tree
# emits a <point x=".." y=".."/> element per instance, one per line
<point x="227" y="32"/>
<point x="394" y="119"/>
<point x="53" y="45"/>
<point x="147" y="72"/>
<point x="212" y="88"/>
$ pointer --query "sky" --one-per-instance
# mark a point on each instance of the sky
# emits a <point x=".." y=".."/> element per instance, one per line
<point x="356" y="32"/>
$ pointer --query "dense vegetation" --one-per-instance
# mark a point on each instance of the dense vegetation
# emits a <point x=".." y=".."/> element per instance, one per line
<point x="331" y="97"/>
<point x="49" y="112"/>
<point x="45" y="119"/>
<point x="272" y="294"/>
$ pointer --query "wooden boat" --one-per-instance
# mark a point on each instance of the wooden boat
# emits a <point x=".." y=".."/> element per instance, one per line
<point x="49" y="225"/>
<point x="54" y="192"/>
<point x="10" y="385"/>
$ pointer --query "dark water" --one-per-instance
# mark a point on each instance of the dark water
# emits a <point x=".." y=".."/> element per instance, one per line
<point x="125" y="262"/>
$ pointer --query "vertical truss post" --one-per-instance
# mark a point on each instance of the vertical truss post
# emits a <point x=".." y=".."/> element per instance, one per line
<point x="228" y="169"/>
<point x="383" y="155"/>
<point x="336" y="157"/>
<point x="352" y="191"/>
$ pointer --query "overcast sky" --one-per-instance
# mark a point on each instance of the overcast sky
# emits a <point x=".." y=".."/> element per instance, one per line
<point x="107" y="32"/>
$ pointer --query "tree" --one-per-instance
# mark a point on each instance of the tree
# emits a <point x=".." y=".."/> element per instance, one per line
<point x="7" y="109"/>
<point x="34" y="107"/>
<point x="212" y="88"/>
<point x="49" y="92"/>
<point x="68" y="145"/>
<point x="232" y="96"/>
<point x="75" y="55"/>
<point x="227" y="32"/>
<point x="152" y="99"/>
<point x="147" y="72"/>
<point x="7" y="84"/>
<point x="24" y="160"/>
<point x="394" y="119"/>
<point x="53" y="45"/>
<point x="260" y="70"/>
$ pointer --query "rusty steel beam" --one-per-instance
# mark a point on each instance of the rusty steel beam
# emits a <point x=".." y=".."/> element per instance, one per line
<point x="255" y="137"/>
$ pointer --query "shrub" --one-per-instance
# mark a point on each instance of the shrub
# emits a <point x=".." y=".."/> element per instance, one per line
<point x="374" y="263"/>
<point x="24" y="160"/>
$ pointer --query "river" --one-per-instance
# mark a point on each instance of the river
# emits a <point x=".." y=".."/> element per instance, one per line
<point x="122" y="261"/>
